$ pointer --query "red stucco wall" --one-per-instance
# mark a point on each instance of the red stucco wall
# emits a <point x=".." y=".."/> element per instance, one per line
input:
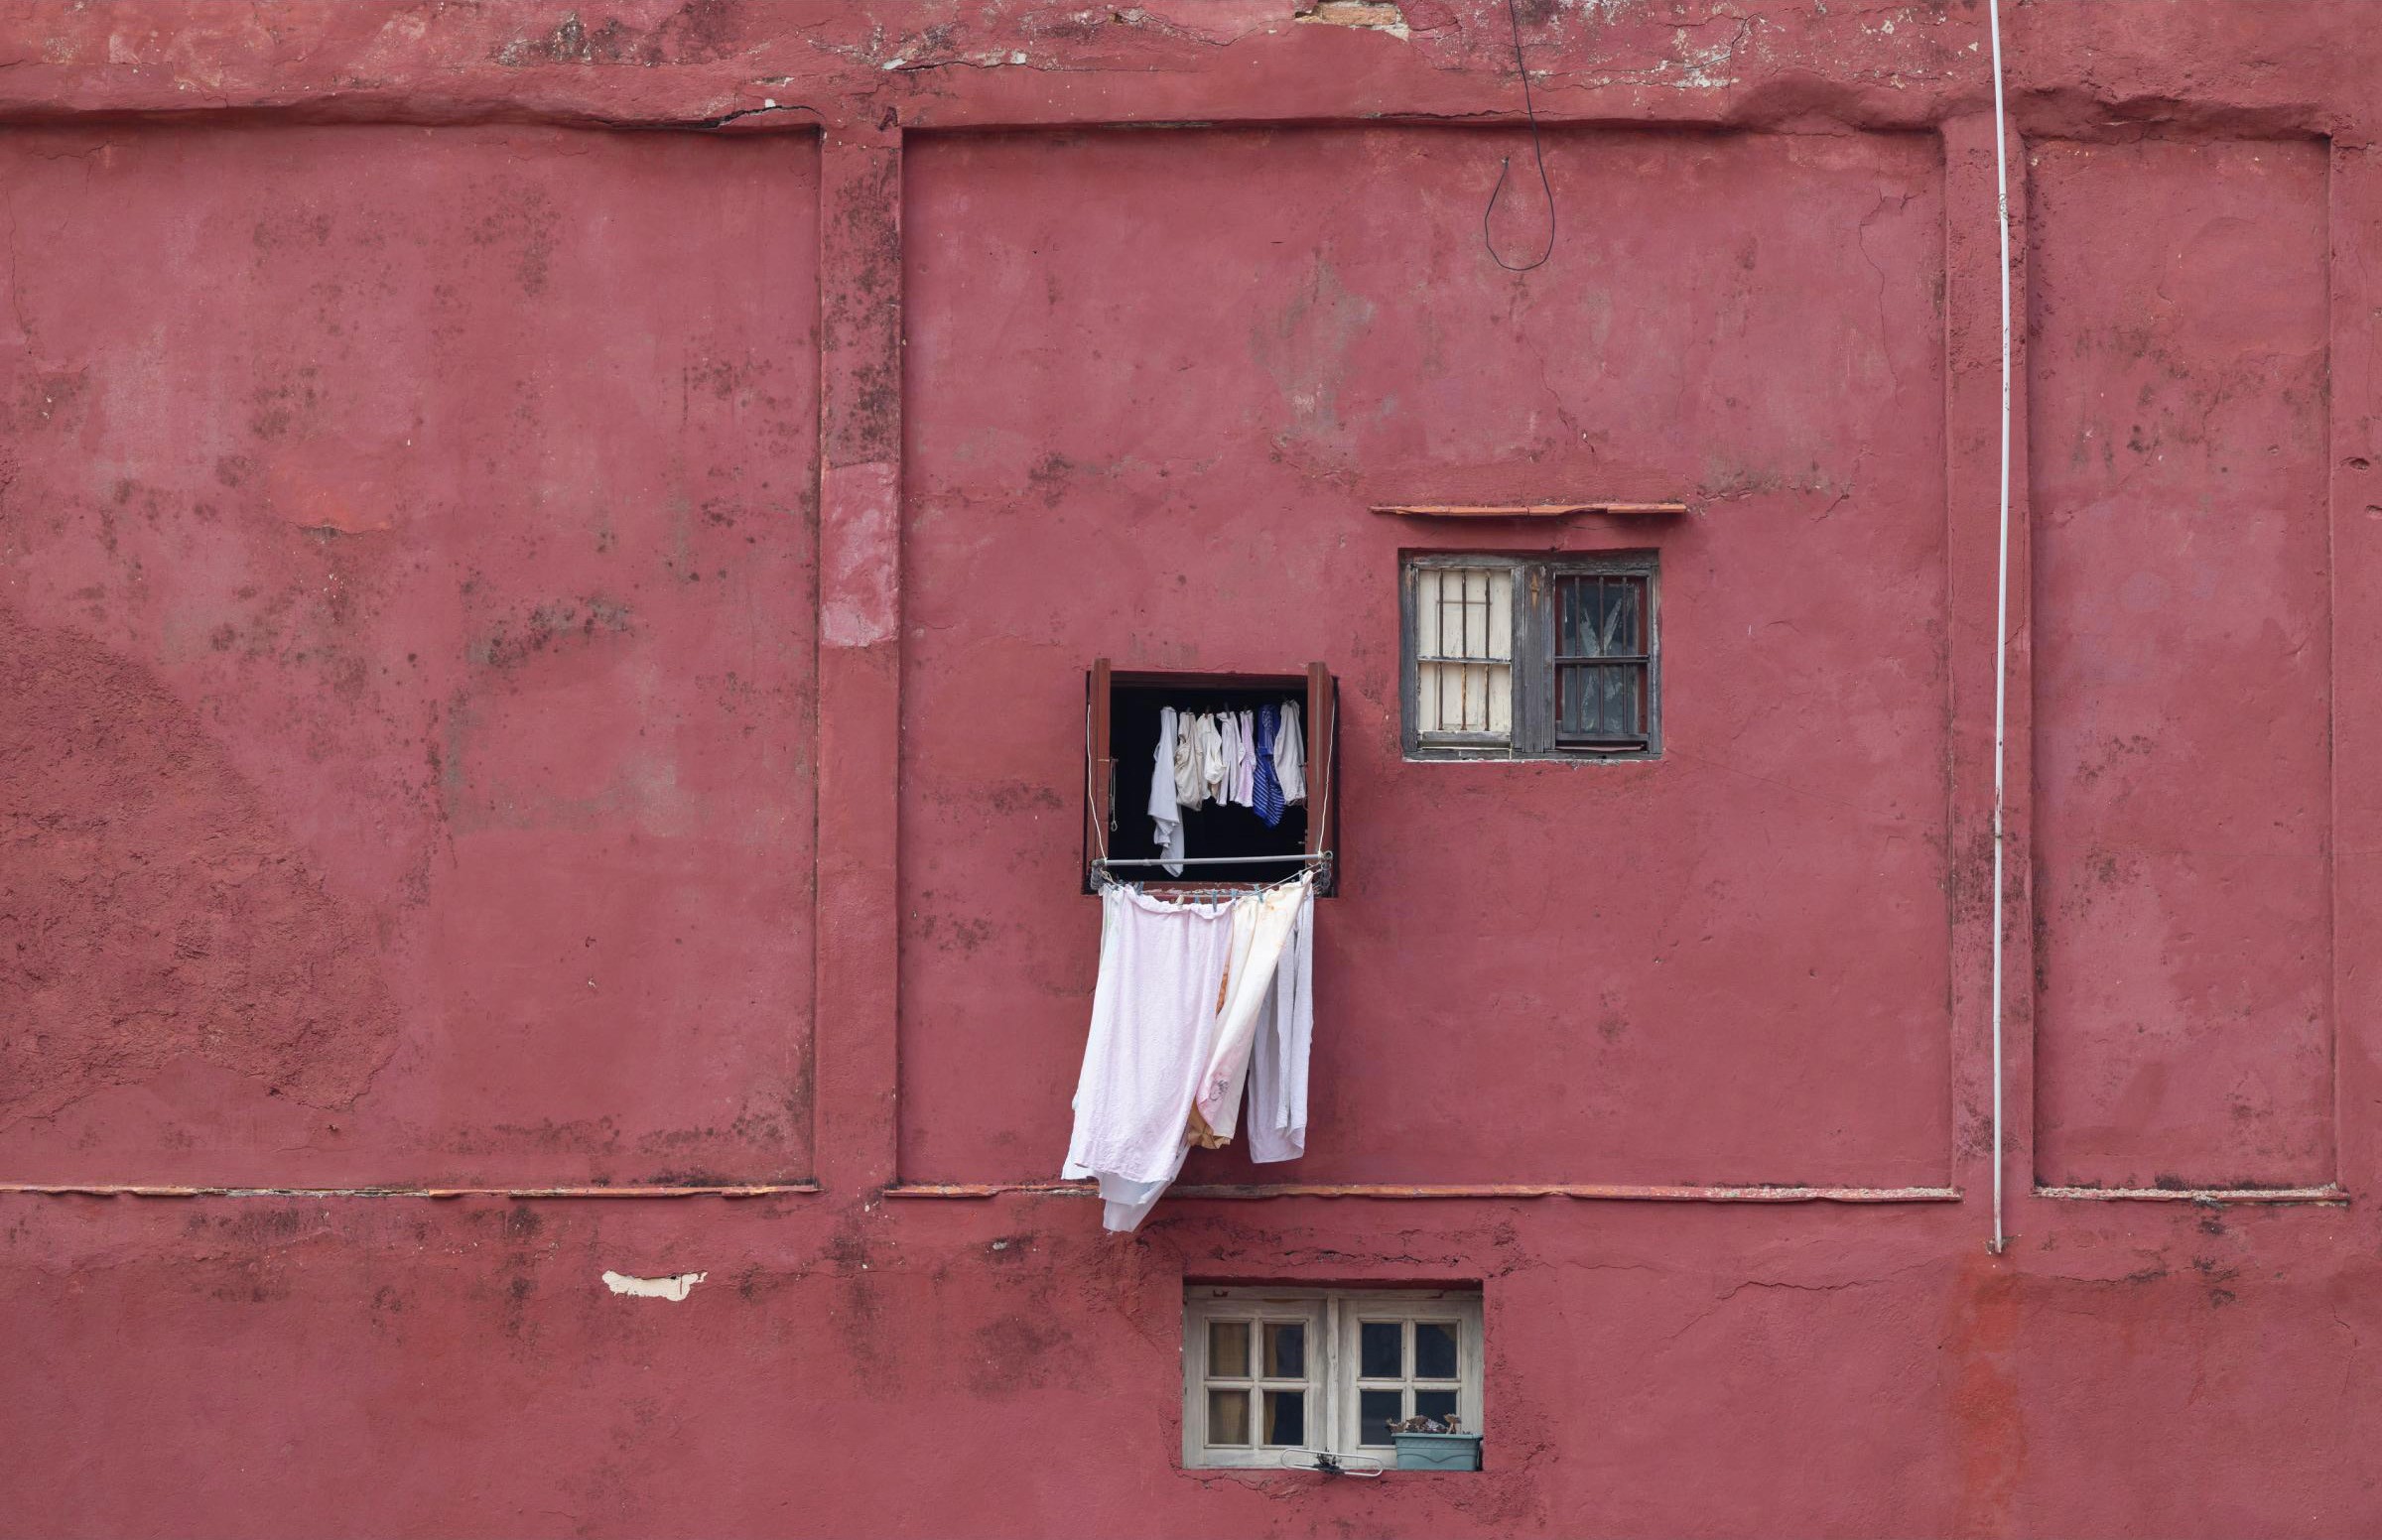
<point x="547" y="558"/>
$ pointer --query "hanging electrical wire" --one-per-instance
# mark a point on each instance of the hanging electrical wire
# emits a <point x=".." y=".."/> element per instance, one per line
<point x="1506" y="166"/>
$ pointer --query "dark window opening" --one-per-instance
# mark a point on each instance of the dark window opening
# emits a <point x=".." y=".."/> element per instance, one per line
<point x="1226" y="844"/>
<point x="1601" y="661"/>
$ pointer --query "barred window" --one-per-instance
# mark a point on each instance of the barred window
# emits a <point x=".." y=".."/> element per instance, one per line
<point x="1550" y="658"/>
<point x="1464" y="653"/>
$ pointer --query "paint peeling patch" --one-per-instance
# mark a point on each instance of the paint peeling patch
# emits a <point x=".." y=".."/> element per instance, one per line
<point x="1372" y="15"/>
<point x="862" y="525"/>
<point x="674" y="1287"/>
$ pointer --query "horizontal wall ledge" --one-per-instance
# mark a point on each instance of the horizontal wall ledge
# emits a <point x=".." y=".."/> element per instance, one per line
<point x="1526" y="510"/>
<point x="1773" y="1195"/>
<point x="131" y="1189"/>
<point x="2206" y="1195"/>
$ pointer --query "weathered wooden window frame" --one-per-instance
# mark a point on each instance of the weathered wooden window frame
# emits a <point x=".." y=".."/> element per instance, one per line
<point x="1332" y="1316"/>
<point x="1533" y="707"/>
<point x="1319" y="726"/>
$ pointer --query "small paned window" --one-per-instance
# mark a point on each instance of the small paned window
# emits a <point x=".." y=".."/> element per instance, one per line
<point x="1554" y="657"/>
<point x="1279" y="1377"/>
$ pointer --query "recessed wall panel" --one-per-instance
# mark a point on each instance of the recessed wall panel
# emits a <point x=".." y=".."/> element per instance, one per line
<point x="1155" y="383"/>
<point x="2181" y="664"/>
<point x="407" y="627"/>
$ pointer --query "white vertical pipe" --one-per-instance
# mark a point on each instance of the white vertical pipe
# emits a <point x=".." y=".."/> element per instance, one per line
<point x="2001" y="618"/>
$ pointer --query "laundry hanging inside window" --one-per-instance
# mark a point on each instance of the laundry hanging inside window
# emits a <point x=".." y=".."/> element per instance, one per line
<point x="1197" y="1003"/>
<point x="1253" y="758"/>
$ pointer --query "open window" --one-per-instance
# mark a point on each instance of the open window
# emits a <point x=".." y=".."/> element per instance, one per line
<point x="1229" y="842"/>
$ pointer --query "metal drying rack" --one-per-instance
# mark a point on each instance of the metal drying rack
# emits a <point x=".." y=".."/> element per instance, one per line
<point x="1321" y="861"/>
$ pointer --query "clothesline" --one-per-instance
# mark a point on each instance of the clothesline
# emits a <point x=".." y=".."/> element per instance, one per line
<point x="1256" y="759"/>
<point x="1214" y="860"/>
<point x="1211" y="895"/>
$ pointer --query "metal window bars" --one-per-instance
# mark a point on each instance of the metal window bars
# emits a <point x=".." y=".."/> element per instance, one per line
<point x="1464" y="652"/>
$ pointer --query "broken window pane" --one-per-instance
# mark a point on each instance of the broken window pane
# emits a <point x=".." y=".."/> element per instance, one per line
<point x="1599" y="617"/>
<point x="1381" y="1349"/>
<point x="1601" y="701"/>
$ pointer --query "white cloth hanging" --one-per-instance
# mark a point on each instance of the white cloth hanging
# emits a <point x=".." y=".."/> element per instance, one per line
<point x="1277" y="1064"/>
<point x="1195" y="1004"/>
<point x="1290" y="756"/>
<point x="1153" y="1029"/>
<point x="1165" y="818"/>
<point x="1261" y="926"/>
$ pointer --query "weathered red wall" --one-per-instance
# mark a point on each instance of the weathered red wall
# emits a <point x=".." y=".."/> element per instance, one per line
<point x="410" y="542"/>
<point x="543" y="656"/>
<point x="1195" y="359"/>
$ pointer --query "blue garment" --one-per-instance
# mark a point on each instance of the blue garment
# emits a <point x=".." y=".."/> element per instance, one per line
<point x="1267" y="797"/>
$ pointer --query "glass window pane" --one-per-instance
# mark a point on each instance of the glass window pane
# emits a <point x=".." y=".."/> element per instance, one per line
<point x="1435" y="1403"/>
<point x="1381" y="1349"/>
<point x="1376" y="1411"/>
<point x="1286" y="1418"/>
<point x="1228" y="1417"/>
<point x="1434" y="1349"/>
<point x="1620" y="702"/>
<point x="1600" y="617"/>
<point x="1576" y="704"/>
<point x="1285" y="1350"/>
<point x="1601" y="701"/>
<point x="1227" y="1349"/>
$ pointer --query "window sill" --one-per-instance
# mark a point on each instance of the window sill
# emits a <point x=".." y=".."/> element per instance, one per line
<point x="1455" y="754"/>
<point x="1312" y="1477"/>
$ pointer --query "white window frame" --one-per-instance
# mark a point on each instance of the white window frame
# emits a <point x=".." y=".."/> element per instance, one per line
<point x="1331" y="1384"/>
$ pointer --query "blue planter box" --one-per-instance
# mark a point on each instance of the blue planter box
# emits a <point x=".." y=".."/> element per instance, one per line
<point x="1438" y="1451"/>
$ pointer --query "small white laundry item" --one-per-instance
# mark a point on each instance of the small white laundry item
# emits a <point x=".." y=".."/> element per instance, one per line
<point x="1244" y="763"/>
<point x="1153" y="1027"/>
<point x="1190" y="791"/>
<point x="1165" y="818"/>
<point x="1228" y="728"/>
<point x="1212" y="766"/>
<point x="1290" y="756"/>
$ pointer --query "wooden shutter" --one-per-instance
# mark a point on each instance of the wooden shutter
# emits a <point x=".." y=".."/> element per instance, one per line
<point x="1100" y="770"/>
<point x="1323" y="769"/>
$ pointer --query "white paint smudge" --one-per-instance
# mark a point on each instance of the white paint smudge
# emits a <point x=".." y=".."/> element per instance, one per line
<point x="674" y="1287"/>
